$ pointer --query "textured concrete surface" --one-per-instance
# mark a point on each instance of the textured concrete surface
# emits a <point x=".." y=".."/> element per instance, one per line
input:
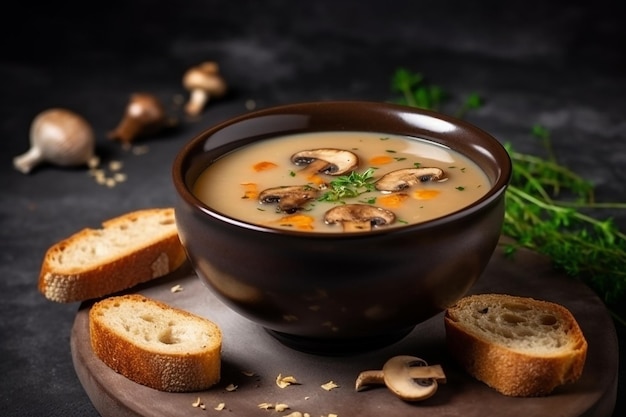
<point x="559" y="64"/>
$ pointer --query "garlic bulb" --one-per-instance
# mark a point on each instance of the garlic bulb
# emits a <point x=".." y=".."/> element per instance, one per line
<point x="60" y="137"/>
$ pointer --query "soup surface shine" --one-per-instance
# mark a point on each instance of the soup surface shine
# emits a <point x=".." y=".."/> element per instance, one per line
<point x="260" y="184"/>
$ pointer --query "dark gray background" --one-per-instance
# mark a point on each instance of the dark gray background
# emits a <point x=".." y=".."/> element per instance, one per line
<point x="557" y="63"/>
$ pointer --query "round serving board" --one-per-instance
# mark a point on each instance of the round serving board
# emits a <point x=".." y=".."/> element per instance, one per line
<point x="252" y="360"/>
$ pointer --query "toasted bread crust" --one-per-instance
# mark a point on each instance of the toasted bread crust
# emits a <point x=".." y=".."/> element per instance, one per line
<point x="156" y="253"/>
<point x="514" y="371"/>
<point x="161" y="366"/>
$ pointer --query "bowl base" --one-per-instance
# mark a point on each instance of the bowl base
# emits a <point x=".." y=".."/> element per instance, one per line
<point x="338" y="346"/>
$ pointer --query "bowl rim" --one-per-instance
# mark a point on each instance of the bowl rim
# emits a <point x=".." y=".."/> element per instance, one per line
<point x="496" y="190"/>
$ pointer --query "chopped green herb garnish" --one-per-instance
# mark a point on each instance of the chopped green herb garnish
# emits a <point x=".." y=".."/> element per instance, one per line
<point x="349" y="186"/>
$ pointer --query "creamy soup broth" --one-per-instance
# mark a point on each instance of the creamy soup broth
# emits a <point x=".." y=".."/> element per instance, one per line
<point x="232" y="184"/>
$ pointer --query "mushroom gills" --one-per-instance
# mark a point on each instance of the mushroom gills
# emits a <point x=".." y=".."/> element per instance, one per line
<point x="328" y="161"/>
<point x="359" y="217"/>
<point x="289" y="198"/>
<point x="404" y="178"/>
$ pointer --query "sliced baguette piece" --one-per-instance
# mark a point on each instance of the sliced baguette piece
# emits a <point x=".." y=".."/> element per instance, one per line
<point x="154" y="344"/>
<point x="130" y="249"/>
<point x="519" y="346"/>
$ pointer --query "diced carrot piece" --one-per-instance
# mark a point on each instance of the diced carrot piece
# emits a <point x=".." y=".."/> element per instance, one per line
<point x="250" y="191"/>
<point x="425" y="194"/>
<point x="315" y="179"/>
<point x="392" y="200"/>
<point x="263" y="166"/>
<point x="381" y="160"/>
<point x="297" y="221"/>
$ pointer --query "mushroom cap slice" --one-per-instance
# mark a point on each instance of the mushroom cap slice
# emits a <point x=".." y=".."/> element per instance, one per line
<point x="359" y="217"/>
<point x="407" y="177"/>
<point x="401" y="378"/>
<point x="290" y="198"/>
<point x="329" y="161"/>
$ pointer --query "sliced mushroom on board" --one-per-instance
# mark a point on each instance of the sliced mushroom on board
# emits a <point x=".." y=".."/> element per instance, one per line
<point x="408" y="377"/>
<point x="407" y="177"/>
<point x="289" y="198"/>
<point x="359" y="217"/>
<point x="328" y="161"/>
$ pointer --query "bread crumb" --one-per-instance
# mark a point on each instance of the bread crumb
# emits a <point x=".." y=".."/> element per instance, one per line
<point x="231" y="387"/>
<point x="115" y="165"/>
<point x="120" y="177"/>
<point x="250" y="104"/>
<point x="290" y="317"/>
<point x="176" y="288"/>
<point x="220" y="406"/>
<point x="285" y="381"/>
<point x="197" y="403"/>
<point x="329" y="386"/>
<point x="140" y="150"/>
<point x="93" y="162"/>
<point x="281" y="407"/>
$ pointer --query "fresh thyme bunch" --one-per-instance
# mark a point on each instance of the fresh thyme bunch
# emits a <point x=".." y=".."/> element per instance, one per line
<point x="548" y="206"/>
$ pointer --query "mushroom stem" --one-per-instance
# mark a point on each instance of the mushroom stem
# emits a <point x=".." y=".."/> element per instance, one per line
<point x="197" y="99"/>
<point x="314" y="167"/>
<point x="355" y="226"/>
<point x="366" y="378"/>
<point x="28" y="160"/>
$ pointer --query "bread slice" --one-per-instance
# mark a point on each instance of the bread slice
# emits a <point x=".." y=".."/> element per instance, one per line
<point x="154" y="344"/>
<point x="519" y="346"/>
<point x="130" y="249"/>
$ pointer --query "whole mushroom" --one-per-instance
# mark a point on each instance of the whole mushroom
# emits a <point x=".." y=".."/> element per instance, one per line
<point x="144" y="115"/>
<point x="60" y="137"/>
<point x="203" y="82"/>
<point x="359" y="217"/>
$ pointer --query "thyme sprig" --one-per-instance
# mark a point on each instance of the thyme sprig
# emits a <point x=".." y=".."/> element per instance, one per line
<point x="549" y="208"/>
<point x="349" y="186"/>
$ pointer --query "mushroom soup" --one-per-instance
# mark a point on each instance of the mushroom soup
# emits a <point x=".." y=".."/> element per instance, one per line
<point x="340" y="181"/>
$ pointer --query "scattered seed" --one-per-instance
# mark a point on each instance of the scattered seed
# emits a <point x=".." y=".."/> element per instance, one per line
<point x="176" y="288"/>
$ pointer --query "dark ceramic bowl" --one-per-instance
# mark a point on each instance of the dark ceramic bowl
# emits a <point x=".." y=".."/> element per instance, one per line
<point x="333" y="293"/>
